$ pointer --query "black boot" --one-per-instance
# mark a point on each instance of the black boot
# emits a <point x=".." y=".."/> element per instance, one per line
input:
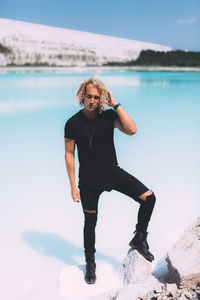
<point x="90" y="276"/>
<point x="139" y="243"/>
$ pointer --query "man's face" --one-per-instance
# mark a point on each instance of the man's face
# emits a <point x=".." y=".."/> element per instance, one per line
<point x="91" y="98"/>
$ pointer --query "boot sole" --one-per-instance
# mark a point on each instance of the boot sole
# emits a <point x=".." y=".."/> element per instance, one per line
<point x="90" y="282"/>
<point x="134" y="247"/>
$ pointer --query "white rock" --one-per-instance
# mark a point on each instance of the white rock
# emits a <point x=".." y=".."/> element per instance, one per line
<point x="135" y="268"/>
<point x="141" y="289"/>
<point x="188" y="295"/>
<point x="184" y="258"/>
<point x="135" y="272"/>
<point x="103" y="296"/>
<point x="171" y="289"/>
<point x="72" y="285"/>
<point x="182" y="297"/>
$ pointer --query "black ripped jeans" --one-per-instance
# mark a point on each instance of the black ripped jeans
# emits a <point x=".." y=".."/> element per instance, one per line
<point x="121" y="181"/>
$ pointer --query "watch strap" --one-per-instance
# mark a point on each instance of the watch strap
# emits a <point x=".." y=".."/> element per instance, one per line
<point x="116" y="106"/>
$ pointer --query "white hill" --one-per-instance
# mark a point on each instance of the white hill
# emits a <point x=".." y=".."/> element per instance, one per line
<point x="27" y="43"/>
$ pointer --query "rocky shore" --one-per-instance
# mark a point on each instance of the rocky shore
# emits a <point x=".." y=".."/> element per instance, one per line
<point x="183" y="281"/>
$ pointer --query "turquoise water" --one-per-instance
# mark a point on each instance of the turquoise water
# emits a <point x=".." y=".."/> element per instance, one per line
<point x="164" y="153"/>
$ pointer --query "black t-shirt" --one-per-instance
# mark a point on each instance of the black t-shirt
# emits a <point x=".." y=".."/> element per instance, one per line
<point x="94" y="140"/>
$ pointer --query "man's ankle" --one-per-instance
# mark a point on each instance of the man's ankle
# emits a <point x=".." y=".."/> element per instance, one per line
<point x="90" y="258"/>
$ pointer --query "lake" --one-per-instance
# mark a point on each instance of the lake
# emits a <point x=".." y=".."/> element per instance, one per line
<point x="36" y="207"/>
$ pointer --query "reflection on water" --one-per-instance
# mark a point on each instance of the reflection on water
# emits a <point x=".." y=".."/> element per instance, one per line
<point x="28" y="91"/>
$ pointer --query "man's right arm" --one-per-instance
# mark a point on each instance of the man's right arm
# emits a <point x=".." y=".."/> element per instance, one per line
<point x="70" y="164"/>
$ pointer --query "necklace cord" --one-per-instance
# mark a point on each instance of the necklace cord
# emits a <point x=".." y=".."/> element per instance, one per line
<point x="88" y="133"/>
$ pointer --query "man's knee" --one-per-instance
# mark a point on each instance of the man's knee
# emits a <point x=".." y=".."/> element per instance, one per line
<point x="90" y="217"/>
<point x="90" y="211"/>
<point x="151" y="198"/>
<point x="147" y="197"/>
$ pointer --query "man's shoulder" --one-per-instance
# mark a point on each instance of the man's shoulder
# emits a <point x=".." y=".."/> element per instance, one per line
<point x="74" y="118"/>
<point x="71" y="126"/>
<point x="110" y="114"/>
<point x="109" y="111"/>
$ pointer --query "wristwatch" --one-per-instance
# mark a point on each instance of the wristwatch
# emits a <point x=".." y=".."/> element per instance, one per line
<point x="116" y="106"/>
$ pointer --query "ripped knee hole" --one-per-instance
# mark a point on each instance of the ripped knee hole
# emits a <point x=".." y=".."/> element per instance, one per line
<point x="90" y="211"/>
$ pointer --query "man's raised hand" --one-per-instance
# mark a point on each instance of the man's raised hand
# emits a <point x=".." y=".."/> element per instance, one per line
<point x="112" y="102"/>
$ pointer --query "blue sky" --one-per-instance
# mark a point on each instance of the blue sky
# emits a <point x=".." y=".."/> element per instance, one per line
<point x="174" y="23"/>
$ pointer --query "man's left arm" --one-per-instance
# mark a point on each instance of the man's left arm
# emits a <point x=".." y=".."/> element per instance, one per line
<point x="124" y="122"/>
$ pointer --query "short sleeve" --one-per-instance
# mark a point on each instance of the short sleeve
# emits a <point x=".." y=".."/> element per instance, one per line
<point x="69" y="131"/>
<point x="112" y="115"/>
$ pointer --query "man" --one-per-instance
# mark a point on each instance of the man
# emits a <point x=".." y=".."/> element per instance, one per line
<point x="92" y="129"/>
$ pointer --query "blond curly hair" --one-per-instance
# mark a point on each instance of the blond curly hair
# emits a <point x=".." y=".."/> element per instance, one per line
<point x="101" y="88"/>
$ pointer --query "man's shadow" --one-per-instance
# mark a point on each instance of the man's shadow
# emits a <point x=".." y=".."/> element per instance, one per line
<point x="52" y="245"/>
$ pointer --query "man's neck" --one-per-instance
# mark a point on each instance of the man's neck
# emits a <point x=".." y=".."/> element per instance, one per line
<point x="90" y="114"/>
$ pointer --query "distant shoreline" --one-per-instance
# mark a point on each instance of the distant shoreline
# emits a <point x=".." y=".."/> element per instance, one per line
<point x="98" y="69"/>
